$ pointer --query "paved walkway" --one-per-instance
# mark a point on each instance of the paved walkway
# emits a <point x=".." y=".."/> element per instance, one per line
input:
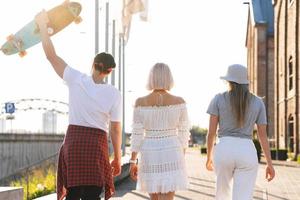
<point x="286" y="185"/>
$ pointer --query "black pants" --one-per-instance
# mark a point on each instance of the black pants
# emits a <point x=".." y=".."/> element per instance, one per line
<point x="84" y="193"/>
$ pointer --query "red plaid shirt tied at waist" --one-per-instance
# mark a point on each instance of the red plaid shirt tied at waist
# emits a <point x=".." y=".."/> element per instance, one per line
<point x="84" y="160"/>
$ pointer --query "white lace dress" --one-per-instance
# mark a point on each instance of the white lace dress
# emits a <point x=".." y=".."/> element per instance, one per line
<point x="160" y="133"/>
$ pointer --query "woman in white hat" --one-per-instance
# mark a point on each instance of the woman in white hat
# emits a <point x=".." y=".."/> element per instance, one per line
<point x="234" y="157"/>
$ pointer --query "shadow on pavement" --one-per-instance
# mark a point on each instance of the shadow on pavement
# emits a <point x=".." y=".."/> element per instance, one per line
<point x="276" y="197"/>
<point x="202" y="185"/>
<point x="203" y="193"/>
<point x="200" y="179"/>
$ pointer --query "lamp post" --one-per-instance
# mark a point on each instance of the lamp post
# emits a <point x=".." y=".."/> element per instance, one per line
<point x="96" y="26"/>
<point x="123" y="89"/>
<point x="113" y="50"/>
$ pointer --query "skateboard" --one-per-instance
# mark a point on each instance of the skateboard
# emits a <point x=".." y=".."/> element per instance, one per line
<point x="59" y="18"/>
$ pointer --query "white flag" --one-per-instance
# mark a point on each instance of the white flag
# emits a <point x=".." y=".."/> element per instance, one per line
<point x="131" y="7"/>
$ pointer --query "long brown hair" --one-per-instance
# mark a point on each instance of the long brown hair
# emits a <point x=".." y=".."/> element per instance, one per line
<point x="240" y="97"/>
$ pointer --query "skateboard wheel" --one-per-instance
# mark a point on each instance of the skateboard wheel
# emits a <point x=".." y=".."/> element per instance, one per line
<point x="50" y="30"/>
<point x="66" y="3"/>
<point x="78" y="20"/>
<point x="22" y="54"/>
<point x="10" y="37"/>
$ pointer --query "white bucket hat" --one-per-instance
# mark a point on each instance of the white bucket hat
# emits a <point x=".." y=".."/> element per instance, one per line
<point x="236" y="73"/>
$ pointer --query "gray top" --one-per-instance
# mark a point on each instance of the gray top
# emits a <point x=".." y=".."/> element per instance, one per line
<point x="255" y="114"/>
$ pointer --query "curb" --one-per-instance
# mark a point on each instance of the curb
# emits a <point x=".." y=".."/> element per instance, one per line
<point x="283" y="163"/>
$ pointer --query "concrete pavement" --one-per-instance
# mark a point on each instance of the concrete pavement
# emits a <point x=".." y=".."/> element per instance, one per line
<point x="286" y="185"/>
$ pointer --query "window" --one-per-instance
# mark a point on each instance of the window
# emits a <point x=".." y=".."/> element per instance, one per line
<point x="291" y="1"/>
<point x="290" y="136"/>
<point x="291" y="73"/>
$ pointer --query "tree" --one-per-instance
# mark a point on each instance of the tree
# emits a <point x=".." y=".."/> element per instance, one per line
<point x="198" y="135"/>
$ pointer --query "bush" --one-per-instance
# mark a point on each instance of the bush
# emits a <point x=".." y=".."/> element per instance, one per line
<point x="203" y="150"/>
<point x="273" y="154"/>
<point x="198" y="135"/>
<point x="258" y="148"/>
<point x="40" y="183"/>
<point x="282" y="154"/>
<point x="298" y="159"/>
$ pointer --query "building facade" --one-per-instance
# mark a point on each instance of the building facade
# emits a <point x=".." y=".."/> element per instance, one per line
<point x="287" y="77"/>
<point x="260" y="57"/>
<point x="273" y="64"/>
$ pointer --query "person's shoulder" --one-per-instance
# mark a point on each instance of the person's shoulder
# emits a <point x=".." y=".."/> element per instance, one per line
<point x="112" y="90"/>
<point x="140" y="101"/>
<point x="72" y="69"/>
<point x="112" y="87"/>
<point x="258" y="99"/>
<point x="72" y="74"/>
<point x="220" y="95"/>
<point x="178" y="100"/>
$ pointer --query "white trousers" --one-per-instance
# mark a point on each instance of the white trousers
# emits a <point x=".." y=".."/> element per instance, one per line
<point x="235" y="164"/>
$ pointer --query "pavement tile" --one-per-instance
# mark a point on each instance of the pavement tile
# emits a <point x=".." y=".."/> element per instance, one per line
<point x="285" y="186"/>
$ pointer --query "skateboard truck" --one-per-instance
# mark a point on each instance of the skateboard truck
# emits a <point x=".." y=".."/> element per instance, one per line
<point x="50" y="30"/>
<point x="17" y="43"/>
<point x="66" y="2"/>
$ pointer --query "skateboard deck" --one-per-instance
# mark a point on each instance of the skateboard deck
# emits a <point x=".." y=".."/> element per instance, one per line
<point x="28" y="36"/>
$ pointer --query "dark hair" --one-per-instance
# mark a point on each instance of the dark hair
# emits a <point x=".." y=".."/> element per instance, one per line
<point x="103" y="62"/>
<point x="240" y="97"/>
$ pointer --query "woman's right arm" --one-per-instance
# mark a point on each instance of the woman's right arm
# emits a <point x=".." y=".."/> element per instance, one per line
<point x="58" y="64"/>
<point x="262" y="136"/>
<point x="212" y="131"/>
<point x="137" y="137"/>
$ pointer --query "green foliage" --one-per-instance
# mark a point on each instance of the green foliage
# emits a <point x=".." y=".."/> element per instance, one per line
<point x="198" y="135"/>
<point x="290" y="155"/>
<point x="273" y="152"/>
<point x="282" y="154"/>
<point x="40" y="183"/>
<point x="196" y="130"/>
<point x="298" y="158"/>
<point x="203" y="150"/>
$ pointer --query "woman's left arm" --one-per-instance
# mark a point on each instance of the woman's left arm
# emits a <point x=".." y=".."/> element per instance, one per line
<point x="262" y="136"/>
<point x="184" y="129"/>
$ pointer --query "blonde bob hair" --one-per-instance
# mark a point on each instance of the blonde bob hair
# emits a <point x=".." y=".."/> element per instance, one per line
<point x="160" y="77"/>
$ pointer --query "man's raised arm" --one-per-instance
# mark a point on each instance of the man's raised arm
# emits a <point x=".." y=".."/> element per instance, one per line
<point x="58" y="64"/>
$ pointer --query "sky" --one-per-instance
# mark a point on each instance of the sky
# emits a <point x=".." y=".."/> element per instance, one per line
<point x="197" y="39"/>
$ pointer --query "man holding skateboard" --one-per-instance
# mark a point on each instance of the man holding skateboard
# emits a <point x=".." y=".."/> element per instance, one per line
<point x="94" y="109"/>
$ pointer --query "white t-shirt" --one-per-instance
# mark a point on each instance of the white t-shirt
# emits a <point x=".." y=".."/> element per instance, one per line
<point x="90" y="104"/>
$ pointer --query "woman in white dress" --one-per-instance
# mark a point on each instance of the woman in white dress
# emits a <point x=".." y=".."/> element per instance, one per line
<point x="160" y="133"/>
